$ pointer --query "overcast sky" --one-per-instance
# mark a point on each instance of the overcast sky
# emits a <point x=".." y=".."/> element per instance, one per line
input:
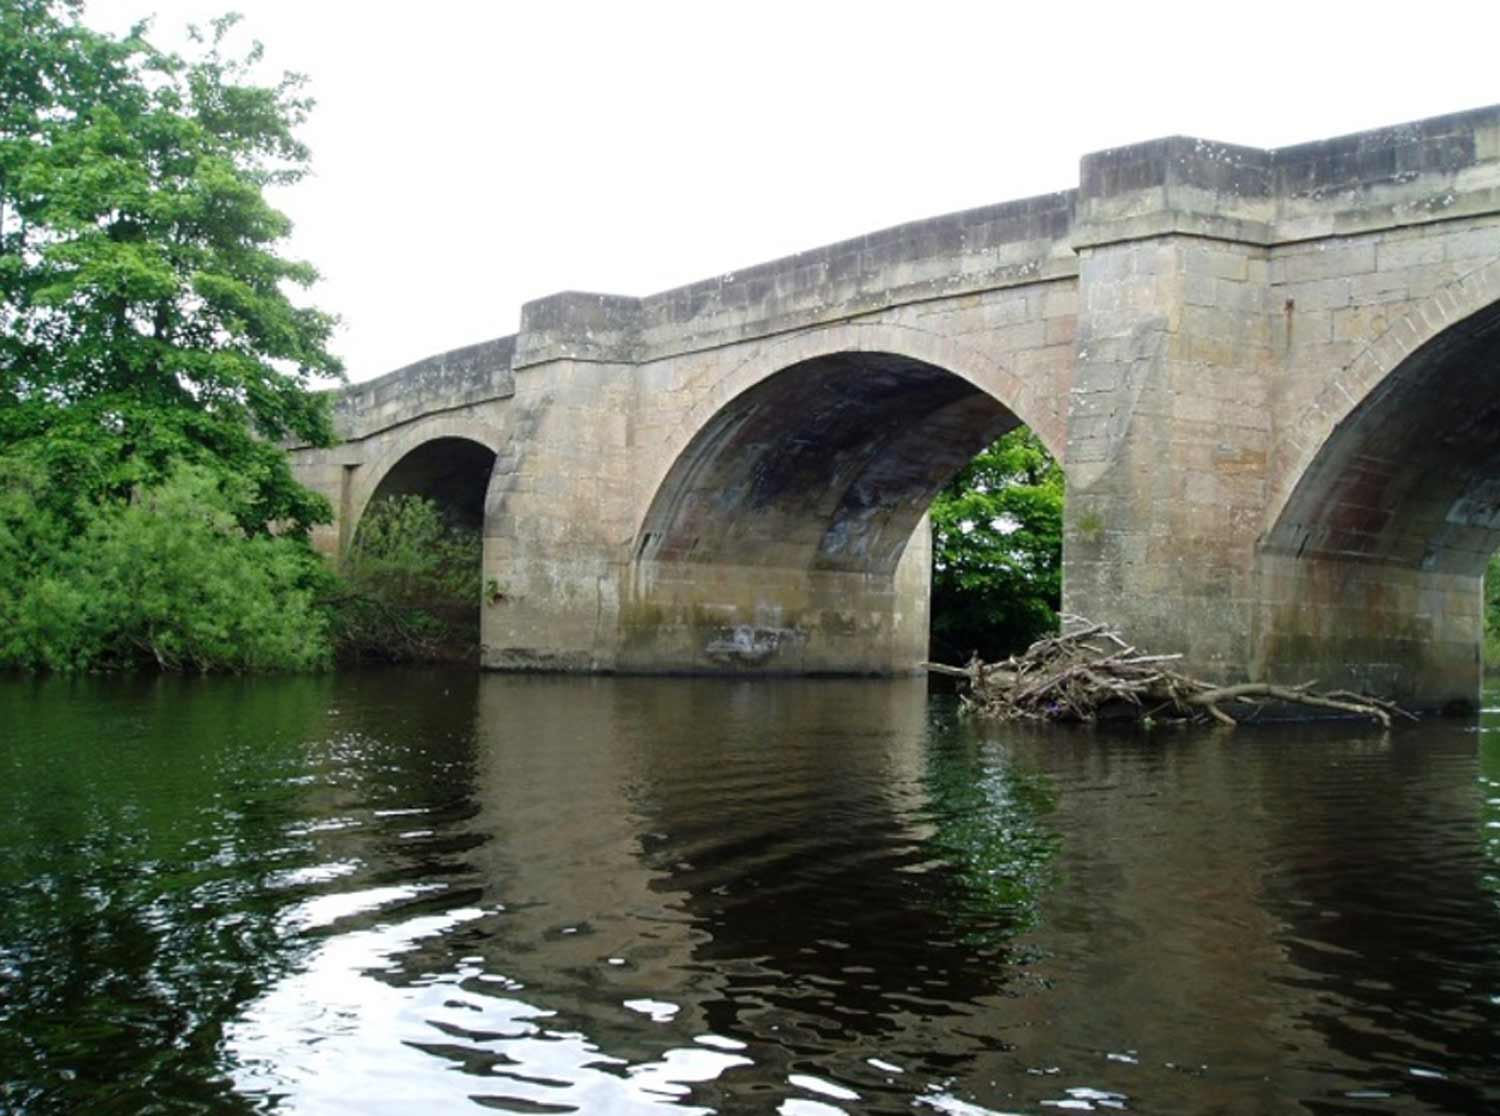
<point x="470" y="156"/>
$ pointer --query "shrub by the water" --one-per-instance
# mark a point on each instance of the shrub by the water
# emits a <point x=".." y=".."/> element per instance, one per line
<point x="167" y="579"/>
<point x="410" y="585"/>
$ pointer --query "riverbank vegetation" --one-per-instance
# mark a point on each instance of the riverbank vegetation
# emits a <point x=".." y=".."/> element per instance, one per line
<point x="166" y="579"/>
<point x="169" y="579"/>
<point x="153" y="364"/>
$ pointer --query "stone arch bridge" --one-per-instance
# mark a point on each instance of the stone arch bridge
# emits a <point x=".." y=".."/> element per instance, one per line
<point x="1273" y="378"/>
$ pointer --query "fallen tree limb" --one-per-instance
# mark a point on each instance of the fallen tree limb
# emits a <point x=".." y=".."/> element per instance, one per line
<point x="1389" y="706"/>
<point x="949" y="671"/>
<point x="1292" y="695"/>
<point x="1089" y="672"/>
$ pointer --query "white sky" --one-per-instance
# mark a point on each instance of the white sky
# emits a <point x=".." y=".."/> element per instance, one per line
<point x="470" y="156"/>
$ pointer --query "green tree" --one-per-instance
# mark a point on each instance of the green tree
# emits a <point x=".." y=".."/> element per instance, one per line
<point x="145" y="319"/>
<point x="997" y="551"/>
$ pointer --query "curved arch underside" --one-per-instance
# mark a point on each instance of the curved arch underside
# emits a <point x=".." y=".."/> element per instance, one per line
<point x="1411" y="477"/>
<point x="827" y="466"/>
<point x="452" y="472"/>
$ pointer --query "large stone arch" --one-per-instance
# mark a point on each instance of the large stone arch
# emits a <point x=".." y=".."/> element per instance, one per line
<point x="1371" y="569"/>
<point x="411" y="439"/>
<point x="1404" y="440"/>
<point x="777" y="529"/>
<point x="968" y="361"/>
<point x="1355" y="384"/>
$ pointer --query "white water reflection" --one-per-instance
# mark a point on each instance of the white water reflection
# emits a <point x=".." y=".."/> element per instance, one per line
<point x="952" y="1106"/>
<point x="719" y="1042"/>
<point x="658" y="1011"/>
<point x="325" y="910"/>
<point x="818" y="1085"/>
<point x="797" y="1106"/>
<point x="335" y="1038"/>
<point x="310" y="875"/>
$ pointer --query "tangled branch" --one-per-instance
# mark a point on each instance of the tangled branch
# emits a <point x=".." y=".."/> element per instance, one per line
<point x="1091" y="673"/>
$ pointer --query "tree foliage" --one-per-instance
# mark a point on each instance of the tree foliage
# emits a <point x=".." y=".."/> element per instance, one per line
<point x="151" y="356"/>
<point x="168" y="580"/>
<point x="997" y="551"/>
<point x="145" y="319"/>
<point x="408" y="550"/>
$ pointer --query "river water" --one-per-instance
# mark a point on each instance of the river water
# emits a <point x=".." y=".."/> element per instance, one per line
<point x="414" y="892"/>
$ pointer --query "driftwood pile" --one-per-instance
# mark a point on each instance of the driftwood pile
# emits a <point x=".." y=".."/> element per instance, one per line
<point x="1090" y="673"/>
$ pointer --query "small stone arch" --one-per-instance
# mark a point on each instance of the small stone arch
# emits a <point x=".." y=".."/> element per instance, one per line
<point x="424" y="432"/>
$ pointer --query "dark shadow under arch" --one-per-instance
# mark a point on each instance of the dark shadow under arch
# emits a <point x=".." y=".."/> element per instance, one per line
<point x="827" y="465"/>
<point x="452" y="472"/>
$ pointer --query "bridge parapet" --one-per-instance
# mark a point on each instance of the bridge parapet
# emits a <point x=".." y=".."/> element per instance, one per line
<point x="461" y="377"/>
<point x="1427" y="171"/>
<point x="1020" y="242"/>
<point x="1411" y="174"/>
<point x="1177" y="185"/>
<point x="580" y="326"/>
<point x="1439" y="169"/>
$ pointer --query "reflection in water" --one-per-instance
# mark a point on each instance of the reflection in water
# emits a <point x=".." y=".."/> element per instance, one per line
<point x="407" y="891"/>
<point x="664" y="887"/>
<point x="135" y="840"/>
<point x="1386" y="920"/>
<point x="987" y="813"/>
<point x="1298" y="914"/>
